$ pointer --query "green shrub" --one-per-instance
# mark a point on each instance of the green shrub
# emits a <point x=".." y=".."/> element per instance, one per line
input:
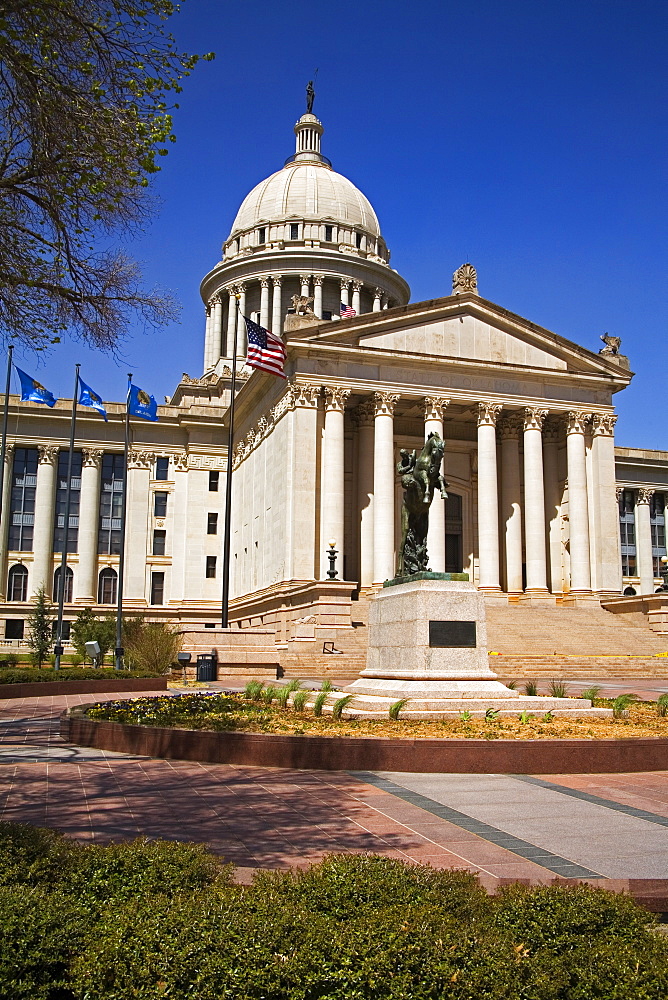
<point x="662" y="705"/>
<point x="319" y="702"/>
<point x="340" y="704"/>
<point x="558" y="689"/>
<point x="28" y="675"/>
<point x="326" y="685"/>
<point x="253" y="689"/>
<point x="531" y="689"/>
<point x="299" y="700"/>
<point x="282" y="696"/>
<point x="269" y="693"/>
<point x="621" y="703"/>
<point x="592" y="693"/>
<point x="293" y="685"/>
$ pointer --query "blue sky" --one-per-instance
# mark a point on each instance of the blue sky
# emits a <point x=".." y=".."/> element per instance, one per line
<point x="527" y="137"/>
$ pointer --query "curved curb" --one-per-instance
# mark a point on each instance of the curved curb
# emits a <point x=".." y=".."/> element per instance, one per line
<point x="46" y="688"/>
<point x="370" y="753"/>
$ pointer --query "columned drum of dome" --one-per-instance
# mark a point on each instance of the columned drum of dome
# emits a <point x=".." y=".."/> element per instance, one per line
<point x="305" y="230"/>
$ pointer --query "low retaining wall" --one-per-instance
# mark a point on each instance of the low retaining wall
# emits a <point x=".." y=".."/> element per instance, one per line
<point x="343" y="753"/>
<point x="43" y="688"/>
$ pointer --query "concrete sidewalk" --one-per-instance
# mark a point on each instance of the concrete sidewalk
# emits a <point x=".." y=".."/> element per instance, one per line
<point x="608" y="829"/>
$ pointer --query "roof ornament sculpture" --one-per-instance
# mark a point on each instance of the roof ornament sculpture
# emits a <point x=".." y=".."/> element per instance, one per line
<point x="612" y="344"/>
<point x="465" y="279"/>
<point x="303" y="305"/>
<point x="420" y="477"/>
<point x="310" y="97"/>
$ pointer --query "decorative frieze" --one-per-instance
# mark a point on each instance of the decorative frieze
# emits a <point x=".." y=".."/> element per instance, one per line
<point x="488" y="414"/>
<point x="435" y="407"/>
<point x="534" y="417"/>
<point x="202" y="462"/>
<point x="296" y="395"/>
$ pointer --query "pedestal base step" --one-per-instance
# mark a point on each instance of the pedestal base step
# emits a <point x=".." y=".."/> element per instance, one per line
<point x="373" y="707"/>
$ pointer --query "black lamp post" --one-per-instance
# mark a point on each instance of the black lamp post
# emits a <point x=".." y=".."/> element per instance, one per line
<point x="331" y="555"/>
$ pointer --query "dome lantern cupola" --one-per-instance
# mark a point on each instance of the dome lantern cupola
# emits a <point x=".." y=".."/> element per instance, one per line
<point x="308" y="131"/>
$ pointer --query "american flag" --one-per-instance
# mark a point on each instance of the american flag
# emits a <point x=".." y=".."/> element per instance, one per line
<point x="347" y="311"/>
<point x="265" y="351"/>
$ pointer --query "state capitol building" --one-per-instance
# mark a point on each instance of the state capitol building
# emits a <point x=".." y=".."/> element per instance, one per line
<point x="542" y="507"/>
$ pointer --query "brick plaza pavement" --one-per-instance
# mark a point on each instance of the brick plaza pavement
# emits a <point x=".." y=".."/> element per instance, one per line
<point x="608" y="829"/>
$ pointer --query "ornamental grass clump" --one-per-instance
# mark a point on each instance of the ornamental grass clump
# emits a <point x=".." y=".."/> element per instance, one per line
<point x="253" y="690"/>
<point x="319" y="703"/>
<point x="269" y="693"/>
<point x="340" y="704"/>
<point x="558" y="689"/>
<point x="397" y="707"/>
<point x="592" y="693"/>
<point x="662" y="705"/>
<point x="620" y="705"/>
<point x="299" y="700"/>
<point x="531" y="689"/>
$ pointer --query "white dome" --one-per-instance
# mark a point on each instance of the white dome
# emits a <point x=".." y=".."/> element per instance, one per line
<point x="310" y="192"/>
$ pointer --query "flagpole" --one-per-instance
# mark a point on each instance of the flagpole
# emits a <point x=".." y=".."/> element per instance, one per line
<point x="228" y="485"/>
<point x="5" y="417"/>
<point x="119" y="652"/>
<point x="58" y="650"/>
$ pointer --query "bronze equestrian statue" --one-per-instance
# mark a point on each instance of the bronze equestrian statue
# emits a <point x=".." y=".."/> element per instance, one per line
<point x="420" y="477"/>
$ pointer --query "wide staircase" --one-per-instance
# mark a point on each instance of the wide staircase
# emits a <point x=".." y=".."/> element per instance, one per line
<point x="588" y="643"/>
<point x="307" y="658"/>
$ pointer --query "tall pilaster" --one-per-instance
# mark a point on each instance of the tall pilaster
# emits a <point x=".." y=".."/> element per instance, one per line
<point x="383" y="487"/>
<point x="208" y="346"/>
<point x="488" y="499"/>
<point x="357" y="287"/>
<point x="85" y="577"/>
<point x="511" y="510"/>
<point x="578" y="508"/>
<point x="333" y="485"/>
<point x="534" y="503"/>
<point x="231" y="321"/>
<point x="264" y="302"/>
<point x="44" y="512"/>
<point x="644" y="541"/>
<point x="276" y="310"/>
<point x="241" y="328"/>
<point x="553" y="499"/>
<point x="434" y="409"/>
<point x="318" y="280"/>
<point x="216" y="329"/>
<point x="4" y="532"/>
<point x="364" y="419"/>
<point x="606" y="512"/>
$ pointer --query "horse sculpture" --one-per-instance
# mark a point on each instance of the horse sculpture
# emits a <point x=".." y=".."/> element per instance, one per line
<point x="420" y="477"/>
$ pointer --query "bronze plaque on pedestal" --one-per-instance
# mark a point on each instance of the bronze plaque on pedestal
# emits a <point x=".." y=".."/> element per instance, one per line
<point x="452" y="634"/>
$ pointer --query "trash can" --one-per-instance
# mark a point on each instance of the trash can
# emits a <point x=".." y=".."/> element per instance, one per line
<point x="207" y="667"/>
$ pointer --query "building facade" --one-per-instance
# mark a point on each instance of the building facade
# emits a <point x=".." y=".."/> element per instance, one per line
<point x="541" y="505"/>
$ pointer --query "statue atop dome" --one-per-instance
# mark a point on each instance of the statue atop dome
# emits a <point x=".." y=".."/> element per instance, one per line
<point x="310" y="97"/>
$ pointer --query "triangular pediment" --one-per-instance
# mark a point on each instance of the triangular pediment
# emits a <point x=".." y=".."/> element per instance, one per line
<point x="466" y="328"/>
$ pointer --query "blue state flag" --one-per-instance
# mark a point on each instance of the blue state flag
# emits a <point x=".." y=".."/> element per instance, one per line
<point x="33" y="391"/>
<point x="140" y="404"/>
<point x="87" y="397"/>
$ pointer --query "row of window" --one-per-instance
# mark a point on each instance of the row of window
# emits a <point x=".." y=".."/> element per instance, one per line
<point x="627" y="531"/>
<point x="24" y="484"/>
<point x="331" y="235"/>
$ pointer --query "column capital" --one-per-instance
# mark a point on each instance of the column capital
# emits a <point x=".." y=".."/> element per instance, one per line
<point x="345" y="283"/>
<point x="335" y="397"/>
<point x="488" y="413"/>
<point x="264" y="280"/>
<point x="318" y="279"/>
<point x="207" y="307"/>
<point x="576" y="421"/>
<point x="357" y="285"/>
<point x="619" y="492"/>
<point x="231" y="290"/>
<point x="92" y="457"/>
<point x="551" y="430"/>
<point x="304" y="394"/>
<point x="378" y="292"/>
<point x="9" y="452"/>
<point x="48" y="454"/>
<point x="215" y="299"/>
<point x="364" y="413"/>
<point x="140" y="459"/>
<point x="645" y="494"/>
<point x="384" y="403"/>
<point x="305" y="278"/>
<point x="510" y="426"/>
<point x="604" y="424"/>
<point x="240" y="289"/>
<point x="534" y="417"/>
<point x="435" y="407"/>
<point x="277" y="280"/>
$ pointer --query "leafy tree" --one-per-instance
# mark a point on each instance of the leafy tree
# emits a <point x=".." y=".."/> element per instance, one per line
<point x="87" y="627"/>
<point x="150" y="645"/>
<point x="40" y="621"/>
<point x="86" y="90"/>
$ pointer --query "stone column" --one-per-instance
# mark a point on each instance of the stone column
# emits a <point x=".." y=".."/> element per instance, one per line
<point x="553" y="498"/>
<point x="357" y="287"/>
<point x="511" y="510"/>
<point x="377" y="299"/>
<point x="231" y="322"/>
<point x="434" y="408"/>
<point x="208" y="344"/>
<point x="578" y="507"/>
<point x="42" y="567"/>
<point x="333" y="507"/>
<point x="276" y="310"/>
<point x="383" y="487"/>
<point x="606" y="507"/>
<point x="216" y="330"/>
<point x="345" y="291"/>
<point x="85" y="577"/>
<point x="241" y="323"/>
<point x="645" y="563"/>
<point x="488" y="501"/>
<point x="534" y="503"/>
<point x="364" y="416"/>
<point x="305" y="281"/>
<point x="264" y="302"/>
<point x="6" y="518"/>
<point x="317" y="294"/>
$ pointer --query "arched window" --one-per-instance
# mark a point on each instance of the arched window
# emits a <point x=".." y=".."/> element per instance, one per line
<point x="106" y="587"/>
<point x="69" y="578"/>
<point x="18" y="584"/>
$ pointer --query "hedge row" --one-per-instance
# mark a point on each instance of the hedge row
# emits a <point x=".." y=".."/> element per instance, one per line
<point x="32" y="675"/>
<point x="151" y="920"/>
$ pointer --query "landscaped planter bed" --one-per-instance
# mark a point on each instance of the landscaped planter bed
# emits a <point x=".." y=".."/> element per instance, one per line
<point x="359" y="753"/>
<point x="42" y="689"/>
